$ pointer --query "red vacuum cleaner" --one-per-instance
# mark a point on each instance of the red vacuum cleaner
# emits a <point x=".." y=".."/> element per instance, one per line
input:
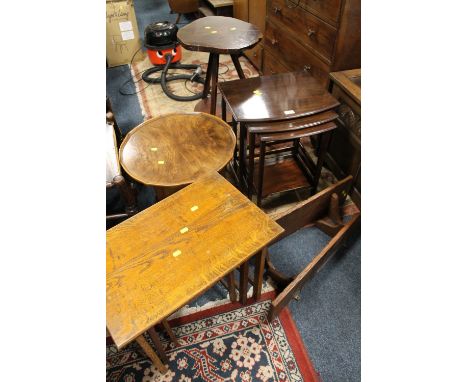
<point x="165" y="53"/>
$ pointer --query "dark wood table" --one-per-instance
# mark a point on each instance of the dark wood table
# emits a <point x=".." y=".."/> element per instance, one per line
<point x="163" y="257"/>
<point x="174" y="150"/>
<point x="280" y="97"/>
<point x="218" y="35"/>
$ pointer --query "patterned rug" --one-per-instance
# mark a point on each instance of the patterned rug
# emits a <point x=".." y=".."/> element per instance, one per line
<point x="154" y="102"/>
<point x="227" y="343"/>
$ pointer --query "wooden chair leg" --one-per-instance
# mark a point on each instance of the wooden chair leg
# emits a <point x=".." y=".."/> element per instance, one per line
<point x="259" y="269"/>
<point x="151" y="354"/>
<point x="159" y="347"/>
<point x="244" y="282"/>
<point x="170" y="332"/>
<point x="178" y="18"/>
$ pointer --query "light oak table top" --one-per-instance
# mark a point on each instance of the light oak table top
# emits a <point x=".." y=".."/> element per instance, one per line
<point x="177" y="149"/>
<point x="163" y="257"/>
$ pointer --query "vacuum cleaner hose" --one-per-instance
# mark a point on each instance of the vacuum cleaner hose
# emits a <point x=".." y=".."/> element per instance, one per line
<point x="164" y="79"/>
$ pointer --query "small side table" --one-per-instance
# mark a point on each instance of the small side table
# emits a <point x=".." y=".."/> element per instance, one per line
<point x="268" y="99"/>
<point x="174" y="150"/>
<point x="218" y="35"/>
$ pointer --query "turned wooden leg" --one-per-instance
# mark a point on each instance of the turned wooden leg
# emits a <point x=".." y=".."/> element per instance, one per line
<point x="259" y="268"/>
<point x="244" y="282"/>
<point x="178" y="18"/>
<point x="159" y="347"/>
<point x="170" y="332"/>
<point x="151" y="354"/>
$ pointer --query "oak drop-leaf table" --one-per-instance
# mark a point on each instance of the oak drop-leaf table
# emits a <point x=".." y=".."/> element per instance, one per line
<point x="165" y="256"/>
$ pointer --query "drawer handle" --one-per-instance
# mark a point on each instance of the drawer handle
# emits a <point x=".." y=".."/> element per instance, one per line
<point x="311" y="33"/>
<point x="307" y="68"/>
<point x="274" y="42"/>
<point x="277" y="10"/>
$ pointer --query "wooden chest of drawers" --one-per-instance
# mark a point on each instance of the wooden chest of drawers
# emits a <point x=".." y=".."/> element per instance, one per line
<point x="318" y="36"/>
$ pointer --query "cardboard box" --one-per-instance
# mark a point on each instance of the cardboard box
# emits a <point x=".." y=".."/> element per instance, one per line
<point x="122" y="36"/>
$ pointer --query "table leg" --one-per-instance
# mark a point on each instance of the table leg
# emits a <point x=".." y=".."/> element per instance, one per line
<point x="244" y="282"/>
<point x="324" y="142"/>
<point x="237" y="65"/>
<point x="242" y="150"/>
<point x="259" y="268"/>
<point x="251" y="167"/>
<point x="206" y="87"/>
<point x="164" y="192"/>
<point x="214" y="83"/>
<point x="170" y="332"/>
<point x="231" y="287"/>
<point x="261" y="170"/>
<point x="236" y="149"/>
<point x="151" y="354"/>
<point x="223" y="109"/>
<point x="159" y="347"/>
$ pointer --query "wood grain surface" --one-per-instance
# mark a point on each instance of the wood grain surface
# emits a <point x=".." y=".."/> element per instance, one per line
<point x="218" y="34"/>
<point x="278" y="97"/>
<point x="177" y="149"/>
<point x="350" y="82"/>
<point x="163" y="257"/>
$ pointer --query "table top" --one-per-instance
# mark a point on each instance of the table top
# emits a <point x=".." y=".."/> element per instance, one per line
<point x="177" y="149"/>
<point x="161" y="258"/>
<point x="276" y="97"/>
<point x="350" y="82"/>
<point x="219" y="34"/>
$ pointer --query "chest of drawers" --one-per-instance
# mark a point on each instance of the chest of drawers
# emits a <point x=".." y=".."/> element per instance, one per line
<point x="317" y="36"/>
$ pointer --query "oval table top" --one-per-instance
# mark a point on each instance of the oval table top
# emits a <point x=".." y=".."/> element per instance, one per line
<point x="177" y="149"/>
<point x="219" y="34"/>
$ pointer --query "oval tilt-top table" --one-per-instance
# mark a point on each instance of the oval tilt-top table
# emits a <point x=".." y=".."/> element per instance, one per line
<point x="174" y="150"/>
<point x="218" y="35"/>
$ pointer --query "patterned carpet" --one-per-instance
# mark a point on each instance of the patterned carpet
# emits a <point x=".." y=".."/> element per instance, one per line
<point x="154" y="102"/>
<point x="227" y="343"/>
